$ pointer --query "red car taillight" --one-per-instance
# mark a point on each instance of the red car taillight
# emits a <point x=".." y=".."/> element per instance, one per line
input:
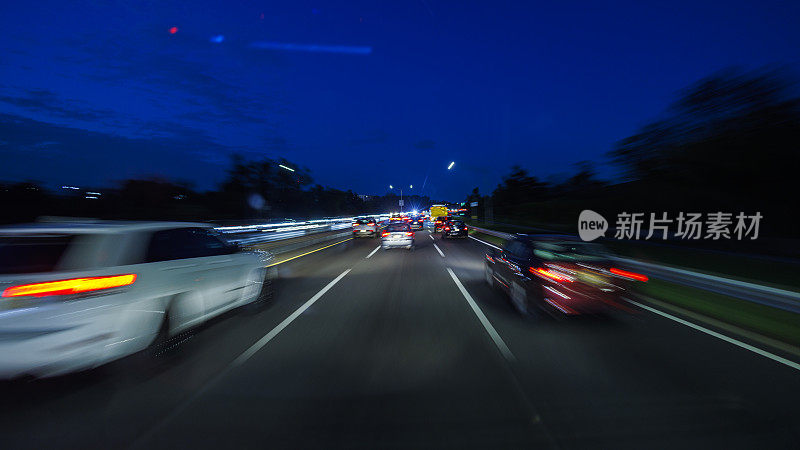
<point x="446" y="228"/>
<point x="550" y="274"/>
<point x="628" y="275"/>
<point x="409" y="233"/>
<point x="384" y="234"/>
<point x="70" y="286"/>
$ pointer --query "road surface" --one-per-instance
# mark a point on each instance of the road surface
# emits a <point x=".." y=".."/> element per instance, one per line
<point x="397" y="349"/>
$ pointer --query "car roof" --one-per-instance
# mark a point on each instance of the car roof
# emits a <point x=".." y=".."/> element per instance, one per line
<point x="92" y="227"/>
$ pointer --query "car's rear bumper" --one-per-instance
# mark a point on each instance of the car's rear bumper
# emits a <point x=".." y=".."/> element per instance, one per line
<point x="390" y="243"/>
<point x="461" y="234"/>
<point x="62" y="337"/>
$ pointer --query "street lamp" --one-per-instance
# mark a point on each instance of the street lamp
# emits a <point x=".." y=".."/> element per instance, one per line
<point x="410" y="186"/>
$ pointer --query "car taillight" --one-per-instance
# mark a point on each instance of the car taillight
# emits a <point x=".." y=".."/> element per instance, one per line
<point x="355" y="224"/>
<point x="446" y="228"/>
<point x="409" y="233"/>
<point x="372" y="224"/>
<point x="70" y="286"/>
<point x="629" y="275"/>
<point x="550" y="274"/>
<point x="384" y="234"/>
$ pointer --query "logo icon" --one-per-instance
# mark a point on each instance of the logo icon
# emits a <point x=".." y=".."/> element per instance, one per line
<point x="591" y="225"/>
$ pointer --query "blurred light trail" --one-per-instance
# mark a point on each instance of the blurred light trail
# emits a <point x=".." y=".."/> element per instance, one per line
<point x="313" y="48"/>
<point x="287" y="168"/>
<point x="218" y="39"/>
<point x="173" y="30"/>
<point x="451" y="165"/>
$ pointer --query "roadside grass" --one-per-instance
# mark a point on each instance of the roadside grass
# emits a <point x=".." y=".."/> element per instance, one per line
<point x="488" y="238"/>
<point x="771" y="322"/>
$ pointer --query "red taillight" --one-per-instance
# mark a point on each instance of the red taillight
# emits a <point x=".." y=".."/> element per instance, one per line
<point x="409" y="233"/>
<point x="629" y="275"/>
<point x="372" y="224"/>
<point x="550" y="274"/>
<point x="355" y="224"/>
<point x="71" y="286"/>
<point x="384" y="234"/>
<point x="446" y="228"/>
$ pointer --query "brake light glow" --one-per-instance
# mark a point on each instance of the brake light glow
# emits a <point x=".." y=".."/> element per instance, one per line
<point x="409" y="233"/>
<point x="70" y="286"/>
<point x="384" y="234"/>
<point x="629" y="275"/>
<point x="372" y="224"/>
<point x="550" y="274"/>
<point x="446" y="228"/>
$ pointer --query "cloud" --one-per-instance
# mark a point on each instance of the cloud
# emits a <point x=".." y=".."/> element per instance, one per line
<point x="48" y="102"/>
<point x="313" y="48"/>
<point x="372" y="138"/>
<point x="425" y="144"/>
<point x="95" y="158"/>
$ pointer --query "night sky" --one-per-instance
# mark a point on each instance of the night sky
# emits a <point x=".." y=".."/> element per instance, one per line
<point x="364" y="94"/>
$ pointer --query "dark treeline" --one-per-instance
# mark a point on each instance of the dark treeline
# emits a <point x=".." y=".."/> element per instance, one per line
<point x="252" y="191"/>
<point x="728" y="143"/>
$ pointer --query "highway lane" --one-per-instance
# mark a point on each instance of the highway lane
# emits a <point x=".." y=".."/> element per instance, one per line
<point x="392" y="355"/>
<point x="638" y="379"/>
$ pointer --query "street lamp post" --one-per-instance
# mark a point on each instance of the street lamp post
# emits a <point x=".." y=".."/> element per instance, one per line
<point x="410" y="186"/>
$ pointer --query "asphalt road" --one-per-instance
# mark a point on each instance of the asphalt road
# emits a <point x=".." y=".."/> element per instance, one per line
<point x="386" y="351"/>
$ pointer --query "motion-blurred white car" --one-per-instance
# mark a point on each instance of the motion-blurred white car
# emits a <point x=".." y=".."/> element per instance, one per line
<point x="76" y="295"/>
<point x="397" y="234"/>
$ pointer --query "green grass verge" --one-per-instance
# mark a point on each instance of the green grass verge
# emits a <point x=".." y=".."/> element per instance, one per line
<point x="771" y="322"/>
<point x="488" y="238"/>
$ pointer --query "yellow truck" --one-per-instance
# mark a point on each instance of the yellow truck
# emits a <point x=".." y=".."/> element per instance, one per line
<point x="438" y="211"/>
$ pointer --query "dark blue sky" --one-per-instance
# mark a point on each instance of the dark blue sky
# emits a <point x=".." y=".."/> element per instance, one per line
<point x="94" y="92"/>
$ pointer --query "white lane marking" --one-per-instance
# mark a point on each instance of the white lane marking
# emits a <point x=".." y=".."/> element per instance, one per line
<point x="438" y="250"/>
<point x="730" y="340"/>
<point x="241" y="359"/>
<point x="498" y="341"/>
<point x="485" y="243"/>
<point x="431" y="236"/>
<point x="373" y="252"/>
<point x="274" y="332"/>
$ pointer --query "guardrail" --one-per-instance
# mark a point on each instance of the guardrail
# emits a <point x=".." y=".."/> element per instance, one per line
<point x="266" y="232"/>
<point x="756" y="293"/>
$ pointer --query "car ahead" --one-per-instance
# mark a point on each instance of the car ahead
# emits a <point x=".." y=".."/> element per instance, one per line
<point x="397" y="234"/>
<point x="558" y="274"/>
<point x="75" y="296"/>
<point x="365" y="226"/>
<point x="438" y="223"/>
<point x="454" y="229"/>
<point x="416" y="222"/>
